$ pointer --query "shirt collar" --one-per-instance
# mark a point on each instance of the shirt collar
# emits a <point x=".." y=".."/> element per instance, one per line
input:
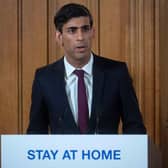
<point x="69" y="69"/>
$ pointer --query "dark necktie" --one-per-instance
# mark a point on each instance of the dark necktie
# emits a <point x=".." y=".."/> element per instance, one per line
<point x="83" y="111"/>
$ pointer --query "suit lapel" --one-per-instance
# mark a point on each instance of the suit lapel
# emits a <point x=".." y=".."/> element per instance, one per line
<point x="65" y="107"/>
<point x="98" y="82"/>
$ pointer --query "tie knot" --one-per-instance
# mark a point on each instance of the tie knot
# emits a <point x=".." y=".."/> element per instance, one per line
<point x="79" y="73"/>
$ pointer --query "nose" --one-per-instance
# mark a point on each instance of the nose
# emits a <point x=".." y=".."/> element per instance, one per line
<point x="80" y="35"/>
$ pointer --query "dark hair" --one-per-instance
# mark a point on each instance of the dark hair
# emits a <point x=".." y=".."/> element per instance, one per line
<point x="68" y="12"/>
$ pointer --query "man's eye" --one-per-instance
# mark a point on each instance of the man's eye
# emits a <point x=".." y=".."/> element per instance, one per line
<point x="72" y="30"/>
<point x="86" y="28"/>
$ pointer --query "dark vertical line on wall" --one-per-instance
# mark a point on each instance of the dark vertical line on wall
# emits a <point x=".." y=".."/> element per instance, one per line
<point x="129" y="34"/>
<point x="47" y="38"/>
<point x="154" y="70"/>
<point x="55" y="48"/>
<point x="99" y="26"/>
<point x="20" y="66"/>
<point x="157" y="70"/>
<point x="121" y="41"/>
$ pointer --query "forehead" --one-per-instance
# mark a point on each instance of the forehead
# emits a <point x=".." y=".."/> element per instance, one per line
<point x="77" y="22"/>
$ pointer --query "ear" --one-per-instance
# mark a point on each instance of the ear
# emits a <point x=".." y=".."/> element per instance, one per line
<point x="58" y="37"/>
<point x="93" y="32"/>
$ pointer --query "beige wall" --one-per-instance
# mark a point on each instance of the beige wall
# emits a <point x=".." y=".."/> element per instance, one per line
<point x="134" y="31"/>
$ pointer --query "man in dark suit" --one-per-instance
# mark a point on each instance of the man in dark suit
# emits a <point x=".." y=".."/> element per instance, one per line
<point x="59" y="107"/>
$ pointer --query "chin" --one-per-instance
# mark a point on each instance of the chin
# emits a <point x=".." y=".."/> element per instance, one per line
<point x="82" y="56"/>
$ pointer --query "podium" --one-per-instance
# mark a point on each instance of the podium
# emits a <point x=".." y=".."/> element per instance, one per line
<point x="74" y="151"/>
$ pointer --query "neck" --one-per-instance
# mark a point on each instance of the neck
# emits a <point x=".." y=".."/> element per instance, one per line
<point x="79" y="63"/>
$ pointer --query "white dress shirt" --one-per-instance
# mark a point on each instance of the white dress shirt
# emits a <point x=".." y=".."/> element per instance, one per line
<point x="72" y="85"/>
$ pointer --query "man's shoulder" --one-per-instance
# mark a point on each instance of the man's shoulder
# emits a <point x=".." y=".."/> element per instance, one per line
<point x="111" y="67"/>
<point x="55" y="67"/>
<point x="51" y="66"/>
<point x="108" y="63"/>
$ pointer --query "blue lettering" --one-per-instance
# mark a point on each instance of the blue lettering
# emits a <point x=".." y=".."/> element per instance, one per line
<point x="66" y="155"/>
<point x="31" y="155"/>
<point x="101" y="154"/>
<point x="39" y="152"/>
<point x="54" y="153"/>
<point x="46" y="155"/>
<point x="42" y="154"/>
<point x="96" y="154"/>
<point x="117" y="155"/>
<point x="85" y="154"/>
<point x="107" y="155"/>
<point x="73" y="153"/>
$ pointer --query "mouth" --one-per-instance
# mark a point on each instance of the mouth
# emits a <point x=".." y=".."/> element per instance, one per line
<point x="81" y="48"/>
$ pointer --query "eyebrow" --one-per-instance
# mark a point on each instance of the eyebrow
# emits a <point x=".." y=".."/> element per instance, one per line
<point x="75" y="27"/>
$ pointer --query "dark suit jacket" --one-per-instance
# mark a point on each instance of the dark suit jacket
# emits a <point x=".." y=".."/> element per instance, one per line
<point x="113" y="98"/>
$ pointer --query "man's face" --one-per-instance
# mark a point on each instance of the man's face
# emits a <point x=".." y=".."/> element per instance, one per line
<point x="76" y="40"/>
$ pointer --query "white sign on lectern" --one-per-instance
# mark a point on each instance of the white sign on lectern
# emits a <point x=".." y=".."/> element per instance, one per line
<point x="74" y="151"/>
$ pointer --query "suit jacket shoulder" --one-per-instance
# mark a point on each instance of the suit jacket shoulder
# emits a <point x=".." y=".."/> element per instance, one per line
<point x="55" y="68"/>
<point x="113" y="67"/>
